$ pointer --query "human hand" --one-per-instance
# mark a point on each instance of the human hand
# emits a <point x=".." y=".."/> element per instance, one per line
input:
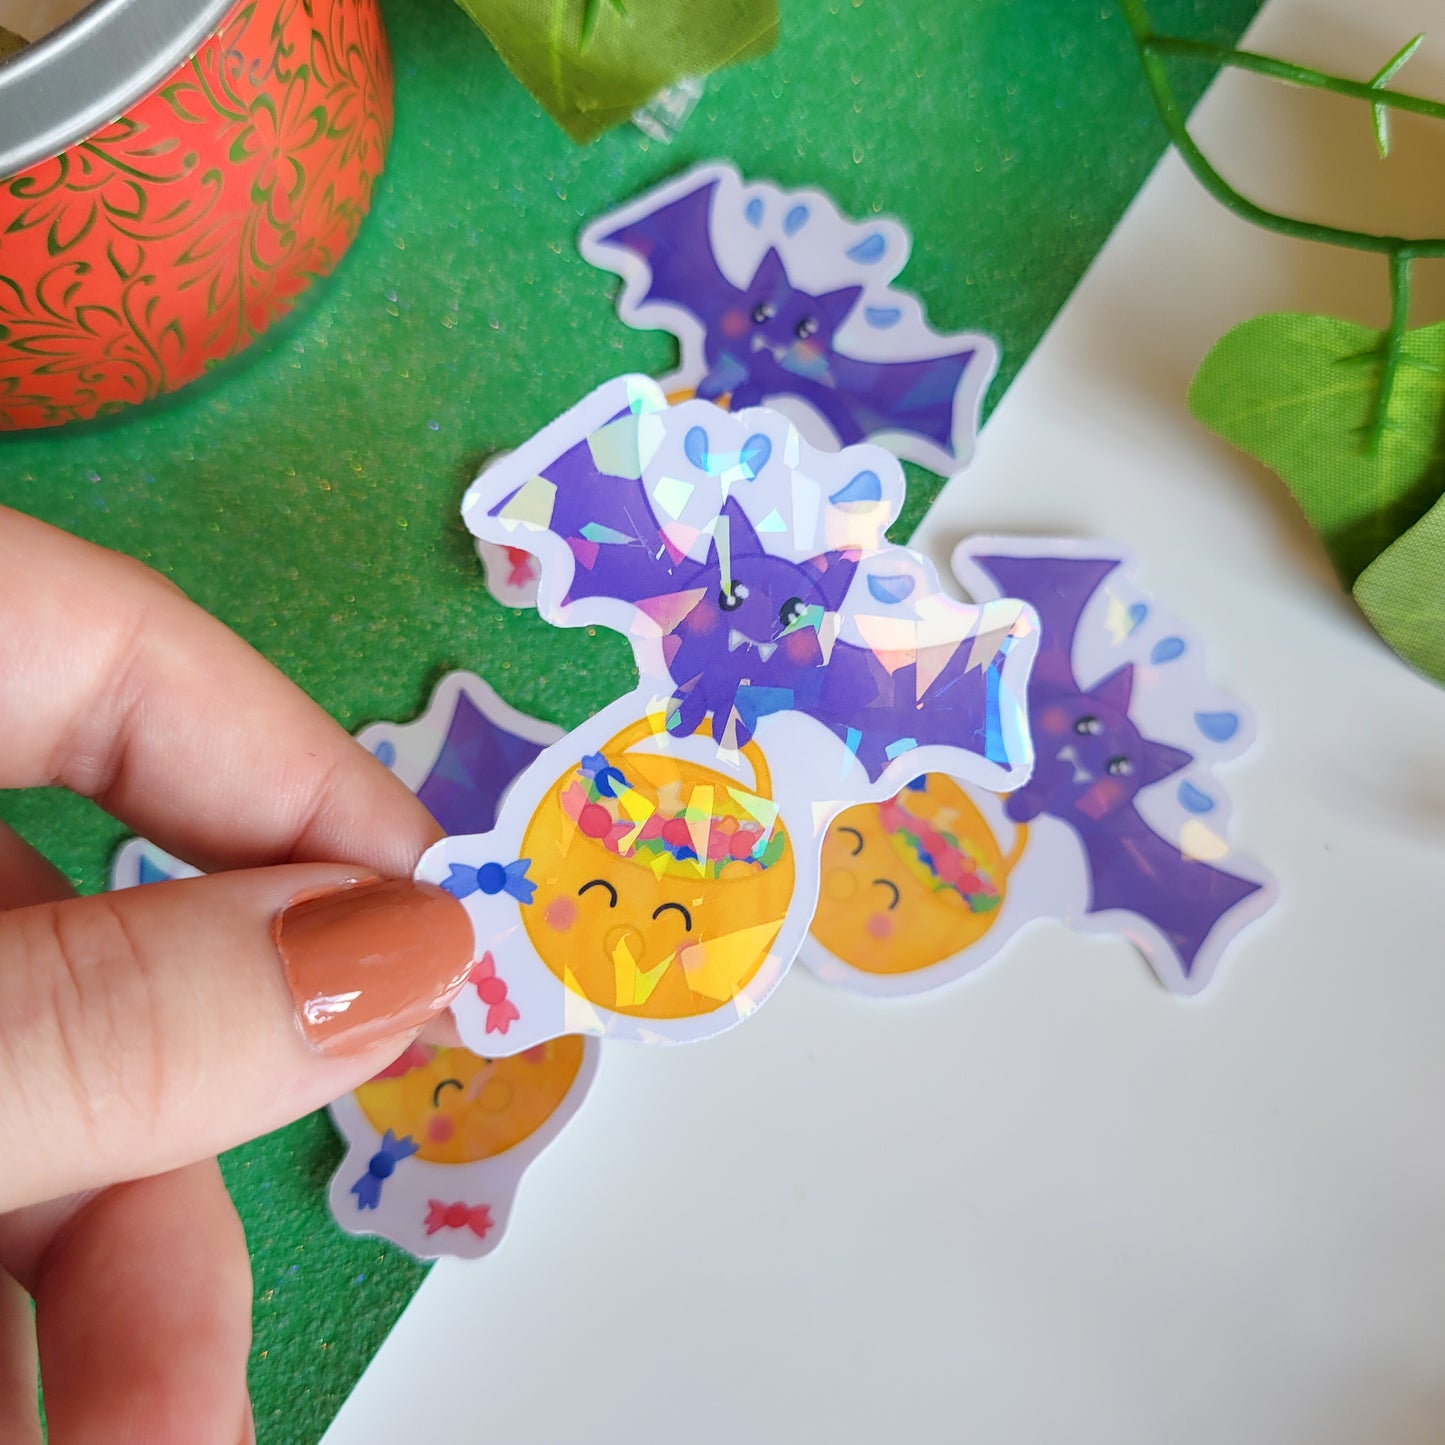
<point x="142" y="1032"/>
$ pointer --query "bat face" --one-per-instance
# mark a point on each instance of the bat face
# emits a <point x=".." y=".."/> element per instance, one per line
<point x="1091" y="760"/>
<point x="458" y="1107"/>
<point x="773" y="333"/>
<point x="670" y="917"/>
<point x="758" y="630"/>
<point x="910" y="882"/>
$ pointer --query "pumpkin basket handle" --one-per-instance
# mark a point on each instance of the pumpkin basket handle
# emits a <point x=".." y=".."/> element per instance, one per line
<point x="653" y="726"/>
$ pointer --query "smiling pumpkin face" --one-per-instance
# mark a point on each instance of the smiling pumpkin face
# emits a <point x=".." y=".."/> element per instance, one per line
<point x="661" y="885"/>
<point x="459" y="1107"/>
<point x="908" y="883"/>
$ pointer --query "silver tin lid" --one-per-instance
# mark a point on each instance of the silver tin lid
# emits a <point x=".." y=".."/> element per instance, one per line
<point x="87" y="73"/>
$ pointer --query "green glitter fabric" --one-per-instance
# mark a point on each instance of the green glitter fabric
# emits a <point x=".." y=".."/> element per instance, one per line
<point x="308" y="493"/>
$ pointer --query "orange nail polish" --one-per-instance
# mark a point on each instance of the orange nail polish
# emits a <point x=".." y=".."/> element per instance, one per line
<point x="372" y="960"/>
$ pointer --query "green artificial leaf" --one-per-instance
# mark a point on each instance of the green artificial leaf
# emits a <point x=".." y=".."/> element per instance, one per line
<point x="592" y="63"/>
<point x="1402" y="592"/>
<point x="1298" y="393"/>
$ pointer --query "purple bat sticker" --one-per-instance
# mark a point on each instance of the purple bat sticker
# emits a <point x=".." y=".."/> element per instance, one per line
<point x="753" y="576"/>
<point x="462" y="754"/>
<point x="1120" y="829"/>
<point x="776" y="298"/>
<point x="651" y="875"/>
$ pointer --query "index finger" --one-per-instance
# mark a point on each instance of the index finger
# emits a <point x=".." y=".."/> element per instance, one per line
<point x="114" y="685"/>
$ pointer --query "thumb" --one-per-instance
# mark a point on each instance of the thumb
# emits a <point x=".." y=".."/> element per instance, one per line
<point x="146" y="1029"/>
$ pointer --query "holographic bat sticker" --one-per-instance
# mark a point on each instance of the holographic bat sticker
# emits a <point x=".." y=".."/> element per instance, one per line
<point x="777" y="299"/>
<point x="437" y="1143"/>
<point x="651" y="875"/>
<point x="1120" y="830"/>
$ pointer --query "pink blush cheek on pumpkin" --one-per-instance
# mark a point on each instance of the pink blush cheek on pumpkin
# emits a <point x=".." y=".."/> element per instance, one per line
<point x="561" y="914"/>
<point x="880" y="925"/>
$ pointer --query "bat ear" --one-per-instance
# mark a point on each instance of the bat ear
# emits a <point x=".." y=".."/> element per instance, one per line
<point x="1162" y="762"/>
<point x="833" y="574"/>
<point x="836" y="305"/>
<point x="1116" y="689"/>
<point x="742" y="537"/>
<point x="771" y="272"/>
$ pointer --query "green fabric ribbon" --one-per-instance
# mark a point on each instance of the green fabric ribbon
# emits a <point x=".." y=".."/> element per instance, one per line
<point x="592" y="63"/>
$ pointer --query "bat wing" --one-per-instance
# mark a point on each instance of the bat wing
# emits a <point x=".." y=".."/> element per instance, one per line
<point x="605" y="520"/>
<point x="1058" y="588"/>
<point x="476" y="764"/>
<point x="882" y="711"/>
<point x="674" y="243"/>
<point x="876" y="398"/>
<point x="1131" y="868"/>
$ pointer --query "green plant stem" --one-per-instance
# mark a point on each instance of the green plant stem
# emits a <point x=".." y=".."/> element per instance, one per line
<point x="1399" y="251"/>
<point x="1172" y="114"/>
<point x="1379" y="80"/>
<point x="1391" y="348"/>
<point x="1290" y="73"/>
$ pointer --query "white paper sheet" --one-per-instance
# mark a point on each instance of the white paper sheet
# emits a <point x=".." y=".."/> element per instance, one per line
<point x="1058" y="1203"/>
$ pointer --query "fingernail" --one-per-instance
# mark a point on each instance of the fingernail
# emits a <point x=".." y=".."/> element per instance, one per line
<point x="370" y="960"/>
